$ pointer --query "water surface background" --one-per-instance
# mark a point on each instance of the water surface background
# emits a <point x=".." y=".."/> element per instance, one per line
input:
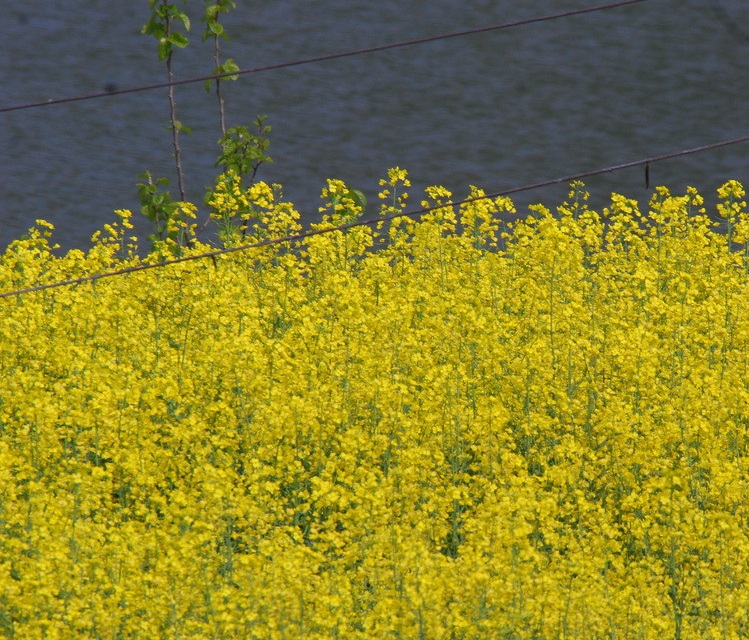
<point x="496" y="110"/>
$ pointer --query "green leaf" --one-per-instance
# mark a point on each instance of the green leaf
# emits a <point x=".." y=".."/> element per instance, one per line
<point x="153" y="28"/>
<point x="179" y="40"/>
<point x="227" y="67"/>
<point x="184" y="19"/>
<point x="182" y="127"/>
<point x="165" y="48"/>
<point x="358" y="197"/>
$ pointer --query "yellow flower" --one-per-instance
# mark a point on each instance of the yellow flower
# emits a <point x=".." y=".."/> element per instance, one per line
<point x="533" y="432"/>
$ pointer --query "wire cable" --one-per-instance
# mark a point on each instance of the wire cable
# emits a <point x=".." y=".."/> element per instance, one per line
<point x="321" y="58"/>
<point x="646" y="162"/>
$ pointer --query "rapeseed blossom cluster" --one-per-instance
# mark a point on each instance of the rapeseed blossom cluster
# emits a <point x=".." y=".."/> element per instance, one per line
<point x="469" y="425"/>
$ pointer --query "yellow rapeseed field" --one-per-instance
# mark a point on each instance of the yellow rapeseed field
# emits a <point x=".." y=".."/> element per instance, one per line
<point x="449" y="427"/>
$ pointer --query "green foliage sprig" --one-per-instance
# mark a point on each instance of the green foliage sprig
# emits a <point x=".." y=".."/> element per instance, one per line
<point x="215" y="30"/>
<point x="170" y="217"/>
<point x="243" y="150"/>
<point x="161" y="25"/>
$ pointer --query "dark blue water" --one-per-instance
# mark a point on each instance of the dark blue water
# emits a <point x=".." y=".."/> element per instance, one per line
<point x="495" y="110"/>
